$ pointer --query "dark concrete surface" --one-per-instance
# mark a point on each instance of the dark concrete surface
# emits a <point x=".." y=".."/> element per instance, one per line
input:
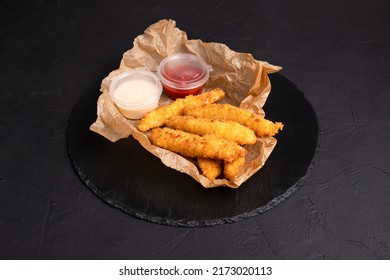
<point x="336" y="53"/>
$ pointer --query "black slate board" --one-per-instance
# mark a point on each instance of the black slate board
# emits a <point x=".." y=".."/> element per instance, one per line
<point x="126" y="176"/>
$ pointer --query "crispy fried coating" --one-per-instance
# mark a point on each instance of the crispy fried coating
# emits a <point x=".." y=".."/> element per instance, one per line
<point x="192" y="145"/>
<point x="231" y="169"/>
<point x="158" y="116"/>
<point x="225" y="129"/>
<point x="211" y="168"/>
<point x="227" y="112"/>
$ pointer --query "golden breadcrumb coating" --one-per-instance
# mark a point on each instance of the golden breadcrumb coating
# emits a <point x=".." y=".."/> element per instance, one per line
<point x="192" y="145"/>
<point x="211" y="168"/>
<point x="225" y="129"/>
<point x="227" y="112"/>
<point x="231" y="169"/>
<point x="158" y="116"/>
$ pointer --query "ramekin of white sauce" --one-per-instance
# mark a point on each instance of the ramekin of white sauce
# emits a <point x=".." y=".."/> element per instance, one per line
<point x="135" y="92"/>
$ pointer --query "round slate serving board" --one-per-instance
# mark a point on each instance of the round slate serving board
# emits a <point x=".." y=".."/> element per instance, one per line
<point x="126" y="176"/>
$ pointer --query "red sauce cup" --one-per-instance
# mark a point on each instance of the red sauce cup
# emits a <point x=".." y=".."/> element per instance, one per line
<point x="183" y="74"/>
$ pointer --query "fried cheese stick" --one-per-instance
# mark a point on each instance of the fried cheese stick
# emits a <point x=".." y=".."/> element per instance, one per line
<point x="231" y="169"/>
<point x="227" y="112"/>
<point x="211" y="168"/>
<point x="158" y="116"/>
<point x="225" y="129"/>
<point x="192" y="145"/>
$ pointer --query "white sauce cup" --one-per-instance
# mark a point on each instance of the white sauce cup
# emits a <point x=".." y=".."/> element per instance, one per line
<point x="135" y="92"/>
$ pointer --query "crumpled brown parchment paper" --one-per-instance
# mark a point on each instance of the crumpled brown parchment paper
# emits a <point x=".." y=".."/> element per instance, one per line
<point x="244" y="79"/>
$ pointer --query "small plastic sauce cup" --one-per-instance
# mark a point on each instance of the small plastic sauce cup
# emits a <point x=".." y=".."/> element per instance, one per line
<point x="135" y="92"/>
<point x="183" y="74"/>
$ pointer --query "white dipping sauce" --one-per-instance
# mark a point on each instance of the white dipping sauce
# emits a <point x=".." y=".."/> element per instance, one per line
<point x="135" y="90"/>
<point x="135" y="93"/>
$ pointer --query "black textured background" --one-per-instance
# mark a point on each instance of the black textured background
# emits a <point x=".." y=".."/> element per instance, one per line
<point x="336" y="52"/>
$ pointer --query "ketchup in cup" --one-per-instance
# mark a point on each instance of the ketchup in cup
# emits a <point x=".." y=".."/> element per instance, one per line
<point x="183" y="74"/>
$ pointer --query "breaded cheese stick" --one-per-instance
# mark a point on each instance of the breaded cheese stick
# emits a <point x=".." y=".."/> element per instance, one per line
<point x="230" y="169"/>
<point x="192" y="145"/>
<point x="158" y="116"/>
<point x="211" y="168"/>
<point x="225" y="129"/>
<point x="261" y="126"/>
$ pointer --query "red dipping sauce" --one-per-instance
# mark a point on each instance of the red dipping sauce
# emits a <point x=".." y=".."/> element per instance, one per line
<point x="183" y="74"/>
